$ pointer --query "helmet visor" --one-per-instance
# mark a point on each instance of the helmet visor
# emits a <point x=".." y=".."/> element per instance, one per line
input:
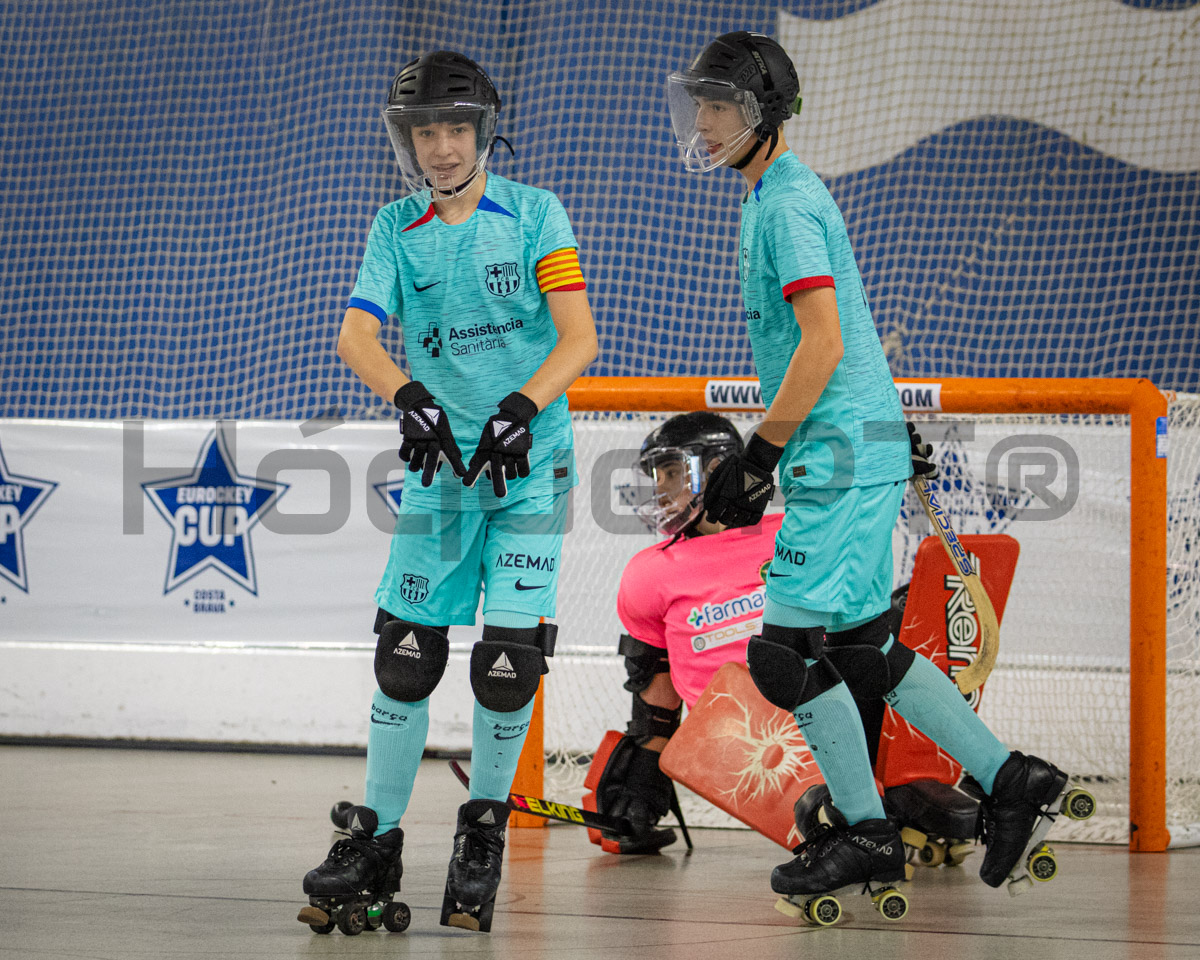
<point x="674" y="500"/>
<point x="713" y="120"/>
<point x="441" y="148"/>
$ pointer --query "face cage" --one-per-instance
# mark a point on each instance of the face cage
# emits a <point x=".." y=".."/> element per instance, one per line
<point x="399" y="122"/>
<point x="683" y="95"/>
<point x="662" y="509"/>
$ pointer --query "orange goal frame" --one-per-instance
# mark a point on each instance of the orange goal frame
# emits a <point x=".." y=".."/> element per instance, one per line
<point x="1137" y="398"/>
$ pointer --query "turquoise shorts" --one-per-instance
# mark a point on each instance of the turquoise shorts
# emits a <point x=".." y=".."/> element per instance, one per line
<point x="833" y="554"/>
<point x="441" y="560"/>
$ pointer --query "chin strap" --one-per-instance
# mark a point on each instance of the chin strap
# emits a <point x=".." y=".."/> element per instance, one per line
<point x="750" y="154"/>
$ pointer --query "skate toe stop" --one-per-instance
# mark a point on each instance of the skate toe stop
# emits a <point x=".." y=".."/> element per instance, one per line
<point x="789" y="909"/>
<point x="312" y="915"/>
<point x="464" y="921"/>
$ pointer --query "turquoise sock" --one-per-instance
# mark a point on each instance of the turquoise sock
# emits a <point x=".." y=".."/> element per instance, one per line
<point x="930" y="701"/>
<point x="496" y="742"/>
<point x="395" y="742"/>
<point x="833" y="730"/>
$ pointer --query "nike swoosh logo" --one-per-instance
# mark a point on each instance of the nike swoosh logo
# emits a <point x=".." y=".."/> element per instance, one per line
<point x="385" y="723"/>
<point x="510" y="737"/>
<point x="426" y="287"/>
<point x="772" y="573"/>
<point x="531" y="586"/>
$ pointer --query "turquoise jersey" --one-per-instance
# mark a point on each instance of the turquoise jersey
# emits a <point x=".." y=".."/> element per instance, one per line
<point x="475" y="324"/>
<point x="792" y="238"/>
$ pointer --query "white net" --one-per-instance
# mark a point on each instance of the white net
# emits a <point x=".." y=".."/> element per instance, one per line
<point x="188" y="185"/>
<point x="1061" y="685"/>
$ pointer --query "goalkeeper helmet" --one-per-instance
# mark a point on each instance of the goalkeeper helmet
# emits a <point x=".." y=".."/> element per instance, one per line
<point x="738" y="91"/>
<point x="441" y="119"/>
<point x="678" y="456"/>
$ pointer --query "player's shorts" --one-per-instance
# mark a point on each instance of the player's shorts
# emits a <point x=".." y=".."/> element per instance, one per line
<point x="441" y="560"/>
<point x="833" y="553"/>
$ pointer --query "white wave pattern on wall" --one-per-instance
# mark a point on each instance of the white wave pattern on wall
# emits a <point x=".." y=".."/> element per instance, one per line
<point x="1123" y="81"/>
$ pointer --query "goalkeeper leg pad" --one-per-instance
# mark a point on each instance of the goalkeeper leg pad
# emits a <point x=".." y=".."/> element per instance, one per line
<point x="624" y="780"/>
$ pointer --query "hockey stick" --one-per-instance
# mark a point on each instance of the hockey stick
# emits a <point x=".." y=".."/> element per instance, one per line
<point x="973" y="676"/>
<point x="556" y="811"/>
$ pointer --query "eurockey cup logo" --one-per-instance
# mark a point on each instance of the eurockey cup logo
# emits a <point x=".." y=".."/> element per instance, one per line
<point x="20" y="498"/>
<point x="503" y="279"/>
<point x="211" y="512"/>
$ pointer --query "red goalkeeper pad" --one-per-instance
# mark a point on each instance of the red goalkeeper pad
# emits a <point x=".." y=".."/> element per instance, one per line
<point x="743" y="754"/>
<point x="939" y="623"/>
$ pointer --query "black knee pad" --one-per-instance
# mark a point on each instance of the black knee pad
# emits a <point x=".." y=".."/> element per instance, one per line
<point x="410" y="659"/>
<point x="858" y="656"/>
<point x="649" y="721"/>
<point x="776" y="662"/>
<point x="508" y="663"/>
<point x="642" y="662"/>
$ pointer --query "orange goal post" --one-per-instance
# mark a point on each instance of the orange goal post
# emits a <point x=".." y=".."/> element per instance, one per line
<point x="1110" y="436"/>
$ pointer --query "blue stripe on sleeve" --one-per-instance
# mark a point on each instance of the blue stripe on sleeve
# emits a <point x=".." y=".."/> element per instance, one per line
<point x="373" y="309"/>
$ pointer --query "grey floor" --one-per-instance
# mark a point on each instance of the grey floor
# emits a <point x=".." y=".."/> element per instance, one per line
<point x="115" y="854"/>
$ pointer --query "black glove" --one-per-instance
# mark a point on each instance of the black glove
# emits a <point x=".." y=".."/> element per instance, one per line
<point x="741" y="486"/>
<point x="922" y="466"/>
<point x="425" y="438"/>
<point x="503" y="450"/>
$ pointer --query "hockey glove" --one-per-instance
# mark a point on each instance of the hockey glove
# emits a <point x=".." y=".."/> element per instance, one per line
<point x="741" y="485"/>
<point x="921" y="464"/>
<point x="425" y="438"/>
<point x="503" y="451"/>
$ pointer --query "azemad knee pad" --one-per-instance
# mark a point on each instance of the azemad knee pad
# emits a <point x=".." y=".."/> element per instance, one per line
<point x="507" y="664"/>
<point x="410" y="659"/>
<point x="859" y="657"/>
<point x="777" y="664"/>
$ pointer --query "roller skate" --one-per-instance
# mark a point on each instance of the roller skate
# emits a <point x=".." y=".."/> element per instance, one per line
<point x="474" y="874"/>
<point x="834" y="856"/>
<point x="1027" y="796"/>
<point x="938" y="822"/>
<point x="353" y="889"/>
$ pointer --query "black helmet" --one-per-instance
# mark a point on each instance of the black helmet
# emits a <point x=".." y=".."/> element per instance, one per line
<point x="749" y="66"/>
<point x="679" y="456"/>
<point x="441" y="88"/>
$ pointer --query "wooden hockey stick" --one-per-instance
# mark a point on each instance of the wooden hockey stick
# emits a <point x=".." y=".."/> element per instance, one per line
<point x="556" y="811"/>
<point x="976" y="673"/>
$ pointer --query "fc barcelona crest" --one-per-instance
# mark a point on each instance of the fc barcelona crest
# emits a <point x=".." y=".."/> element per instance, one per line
<point x="503" y="279"/>
<point x="414" y="589"/>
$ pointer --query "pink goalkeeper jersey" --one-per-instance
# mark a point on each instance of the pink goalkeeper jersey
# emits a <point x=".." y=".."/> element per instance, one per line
<point x="701" y="599"/>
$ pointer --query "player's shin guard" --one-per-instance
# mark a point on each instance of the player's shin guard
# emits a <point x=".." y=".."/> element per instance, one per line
<point x="831" y="726"/>
<point x="395" y="742"/>
<point x="930" y="701"/>
<point x="496" y="742"/>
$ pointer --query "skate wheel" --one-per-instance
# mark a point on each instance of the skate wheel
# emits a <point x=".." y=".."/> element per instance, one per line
<point x="316" y="918"/>
<point x="396" y="917"/>
<point x="1042" y="865"/>
<point x="823" y="911"/>
<point x="933" y="854"/>
<point x="958" y="852"/>
<point x="352" y="920"/>
<point x="337" y="814"/>
<point x="1079" y="805"/>
<point x="891" y="904"/>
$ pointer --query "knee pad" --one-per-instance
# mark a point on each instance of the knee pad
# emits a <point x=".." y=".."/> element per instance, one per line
<point x="859" y="658"/>
<point x="508" y="663"/>
<point x="410" y="659"/>
<point x="649" y="721"/>
<point x="642" y="662"/>
<point x="776" y="662"/>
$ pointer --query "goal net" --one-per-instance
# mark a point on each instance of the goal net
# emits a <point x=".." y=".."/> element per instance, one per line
<point x="1062" y="685"/>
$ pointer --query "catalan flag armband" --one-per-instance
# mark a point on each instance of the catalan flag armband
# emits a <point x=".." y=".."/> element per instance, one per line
<point x="560" y="271"/>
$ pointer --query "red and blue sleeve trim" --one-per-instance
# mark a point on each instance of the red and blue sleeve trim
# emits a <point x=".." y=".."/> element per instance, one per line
<point x="806" y="284"/>
<point x="424" y="218"/>
<point x="372" y="308"/>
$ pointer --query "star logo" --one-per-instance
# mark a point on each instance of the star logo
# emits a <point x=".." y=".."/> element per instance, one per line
<point x="20" y="498"/>
<point x="391" y="492"/>
<point x="211" y="512"/>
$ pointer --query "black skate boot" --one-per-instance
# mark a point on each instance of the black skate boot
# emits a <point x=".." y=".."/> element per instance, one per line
<point x="835" y="855"/>
<point x="353" y="888"/>
<point x="641" y="793"/>
<point x="1027" y="795"/>
<point x="938" y="823"/>
<point x="474" y="873"/>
